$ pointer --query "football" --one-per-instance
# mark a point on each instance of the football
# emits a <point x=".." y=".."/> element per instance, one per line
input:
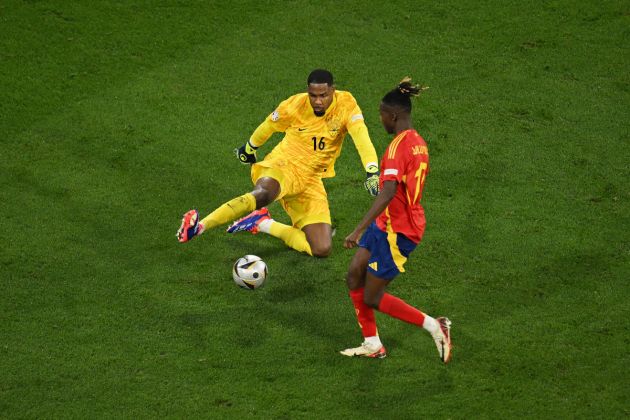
<point x="249" y="272"/>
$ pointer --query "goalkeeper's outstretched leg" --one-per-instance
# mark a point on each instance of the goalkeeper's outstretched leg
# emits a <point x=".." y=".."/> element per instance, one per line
<point x="314" y="239"/>
<point x="265" y="192"/>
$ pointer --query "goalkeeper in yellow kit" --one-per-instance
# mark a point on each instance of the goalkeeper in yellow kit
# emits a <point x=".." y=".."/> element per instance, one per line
<point x="315" y="124"/>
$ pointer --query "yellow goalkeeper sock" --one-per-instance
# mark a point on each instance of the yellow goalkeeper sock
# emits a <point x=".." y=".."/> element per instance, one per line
<point x="229" y="211"/>
<point x="291" y="236"/>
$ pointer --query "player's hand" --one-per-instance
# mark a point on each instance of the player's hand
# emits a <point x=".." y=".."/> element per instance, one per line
<point x="246" y="154"/>
<point x="371" y="182"/>
<point x="352" y="240"/>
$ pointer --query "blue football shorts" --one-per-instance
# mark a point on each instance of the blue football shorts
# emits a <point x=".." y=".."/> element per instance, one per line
<point x="389" y="250"/>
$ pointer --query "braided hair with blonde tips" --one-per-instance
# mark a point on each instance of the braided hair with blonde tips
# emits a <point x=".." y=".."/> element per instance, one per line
<point x="401" y="95"/>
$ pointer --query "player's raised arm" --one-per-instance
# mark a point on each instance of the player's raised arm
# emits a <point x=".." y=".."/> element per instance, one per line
<point x="361" y="138"/>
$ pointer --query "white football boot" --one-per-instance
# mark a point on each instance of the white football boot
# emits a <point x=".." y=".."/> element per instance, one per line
<point x="366" y="350"/>
<point x="442" y="339"/>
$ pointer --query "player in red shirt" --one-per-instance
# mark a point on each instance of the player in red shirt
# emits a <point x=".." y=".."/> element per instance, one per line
<point x="393" y="228"/>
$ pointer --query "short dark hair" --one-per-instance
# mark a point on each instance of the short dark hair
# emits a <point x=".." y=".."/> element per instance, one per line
<point x="320" y="76"/>
<point x="401" y="95"/>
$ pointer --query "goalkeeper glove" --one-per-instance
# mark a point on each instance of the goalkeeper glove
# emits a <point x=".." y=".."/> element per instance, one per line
<point x="371" y="183"/>
<point x="246" y="153"/>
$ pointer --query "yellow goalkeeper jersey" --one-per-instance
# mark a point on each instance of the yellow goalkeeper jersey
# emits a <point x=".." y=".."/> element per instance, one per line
<point x="313" y="143"/>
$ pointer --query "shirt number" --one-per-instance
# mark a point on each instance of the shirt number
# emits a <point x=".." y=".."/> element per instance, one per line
<point x="421" y="173"/>
<point x="318" y="145"/>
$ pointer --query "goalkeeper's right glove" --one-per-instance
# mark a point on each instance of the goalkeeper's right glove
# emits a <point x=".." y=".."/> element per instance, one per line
<point x="246" y="153"/>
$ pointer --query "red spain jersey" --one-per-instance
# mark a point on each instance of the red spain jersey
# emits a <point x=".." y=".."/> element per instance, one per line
<point x="405" y="161"/>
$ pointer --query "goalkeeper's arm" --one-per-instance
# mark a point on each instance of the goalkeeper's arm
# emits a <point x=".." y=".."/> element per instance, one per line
<point x="362" y="142"/>
<point x="247" y="152"/>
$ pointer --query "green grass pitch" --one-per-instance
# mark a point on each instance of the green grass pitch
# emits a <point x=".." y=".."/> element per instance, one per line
<point x="116" y="117"/>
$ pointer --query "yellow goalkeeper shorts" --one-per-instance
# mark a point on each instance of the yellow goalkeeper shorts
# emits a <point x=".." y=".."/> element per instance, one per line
<point x="302" y="197"/>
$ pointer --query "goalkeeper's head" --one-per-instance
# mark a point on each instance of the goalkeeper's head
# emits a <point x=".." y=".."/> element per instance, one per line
<point x="396" y="106"/>
<point x="321" y="90"/>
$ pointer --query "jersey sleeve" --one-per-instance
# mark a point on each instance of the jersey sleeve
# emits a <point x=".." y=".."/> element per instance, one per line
<point x="278" y="121"/>
<point x="394" y="162"/>
<point x="355" y="116"/>
<point x="361" y="138"/>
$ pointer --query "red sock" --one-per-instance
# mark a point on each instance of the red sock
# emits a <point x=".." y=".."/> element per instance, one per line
<point x="398" y="308"/>
<point x="365" y="314"/>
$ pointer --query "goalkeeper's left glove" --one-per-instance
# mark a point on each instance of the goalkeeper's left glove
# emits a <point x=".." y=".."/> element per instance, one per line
<point x="246" y="153"/>
<point x="371" y="183"/>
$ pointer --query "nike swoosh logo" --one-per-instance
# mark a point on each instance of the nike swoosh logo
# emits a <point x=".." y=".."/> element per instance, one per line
<point x="301" y="129"/>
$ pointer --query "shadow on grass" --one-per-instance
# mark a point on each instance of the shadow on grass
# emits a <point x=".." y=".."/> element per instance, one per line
<point x="378" y="392"/>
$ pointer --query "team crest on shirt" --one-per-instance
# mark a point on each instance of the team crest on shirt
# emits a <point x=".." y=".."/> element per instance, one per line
<point x="334" y="125"/>
<point x="275" y="116"/>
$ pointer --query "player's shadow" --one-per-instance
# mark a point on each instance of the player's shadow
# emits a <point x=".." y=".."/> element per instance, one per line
<point x="316" y="321"/>
<point x="368" y="400"/>
<point x="285" y="293"/>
